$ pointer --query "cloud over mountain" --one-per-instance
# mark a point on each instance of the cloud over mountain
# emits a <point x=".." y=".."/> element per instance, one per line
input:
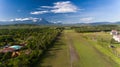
<point x="87" y="19"/>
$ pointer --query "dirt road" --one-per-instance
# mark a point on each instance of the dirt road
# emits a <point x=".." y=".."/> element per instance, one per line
<point x="74" y="57"/>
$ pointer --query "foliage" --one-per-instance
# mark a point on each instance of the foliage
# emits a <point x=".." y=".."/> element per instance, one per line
<point x="37" y="39"/>
<point x="99" y="28"/>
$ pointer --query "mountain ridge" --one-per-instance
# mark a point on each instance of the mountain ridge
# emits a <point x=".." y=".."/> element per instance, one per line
<point x="28" y="21"/>
<point x="42" y="21"/>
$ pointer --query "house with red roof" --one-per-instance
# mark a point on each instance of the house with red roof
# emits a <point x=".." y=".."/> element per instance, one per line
<point x="114" y="32"/>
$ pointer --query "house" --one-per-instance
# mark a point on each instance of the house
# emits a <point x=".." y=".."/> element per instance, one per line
<point x="116" y="38"/>
<point x="114" y="32"/>
<point x="11" y="48"/>
<point x="7" y="50"/>
<point x="15" y="47"/>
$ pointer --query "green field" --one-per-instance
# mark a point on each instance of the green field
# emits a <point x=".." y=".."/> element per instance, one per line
<point x="90" y="55"/>
<point x="86" y="51"/>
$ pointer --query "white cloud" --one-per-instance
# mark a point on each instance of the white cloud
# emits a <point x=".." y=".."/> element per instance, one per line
<point x="11" y="19"/>
<point x="87" y="19"/>
<point x="46" y="7"/>
<point x="64" y="7"/>
<point x="59" y="21"/>
<point x="58" y="7"/>
<point x="56" y="21"/>
<point x="24" y="19"/>
<point x="39" y="12"/>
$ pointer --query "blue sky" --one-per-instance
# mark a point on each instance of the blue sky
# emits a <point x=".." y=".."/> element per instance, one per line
<point x="65" y="11"/>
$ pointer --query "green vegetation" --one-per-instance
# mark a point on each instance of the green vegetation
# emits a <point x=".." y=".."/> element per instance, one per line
<point x="38" y="40"/>
<point x="83" y="29"/>
<point x="57" y="55"/>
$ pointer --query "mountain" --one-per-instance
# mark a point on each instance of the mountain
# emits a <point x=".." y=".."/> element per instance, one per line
<point x="117" y="22"/>
<point x="40" y="21"/>
<point x="100" y="23"/>
<point x="106" y="23"/>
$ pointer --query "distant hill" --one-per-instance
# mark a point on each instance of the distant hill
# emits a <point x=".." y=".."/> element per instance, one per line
<point x="40" y="21"/>
<point x="100" y="23"/>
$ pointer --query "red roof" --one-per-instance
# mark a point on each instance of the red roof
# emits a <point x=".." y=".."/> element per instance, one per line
<point x="8" y="50"/>
<point x="114" y="30"/>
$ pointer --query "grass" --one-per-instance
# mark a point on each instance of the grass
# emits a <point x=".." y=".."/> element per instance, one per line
<point x="92" y="49"/>
<point x="103" y="45"/>
<point x="90" y="52"/>
<point x="58" y="56"/>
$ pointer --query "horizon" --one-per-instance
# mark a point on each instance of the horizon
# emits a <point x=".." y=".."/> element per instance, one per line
<point x="60" y="11"/>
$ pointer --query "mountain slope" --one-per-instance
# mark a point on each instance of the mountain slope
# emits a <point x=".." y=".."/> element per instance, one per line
<point x="40" y="21"/>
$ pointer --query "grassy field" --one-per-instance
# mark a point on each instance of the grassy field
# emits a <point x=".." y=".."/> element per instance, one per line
<point x="58" y="56"/>
<point x="90" y="52"/>
<point x="102" y="41"/>
<point x="81" y="50"/>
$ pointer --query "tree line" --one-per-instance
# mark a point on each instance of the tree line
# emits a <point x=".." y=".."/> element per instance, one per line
<point x="83" y="29"/>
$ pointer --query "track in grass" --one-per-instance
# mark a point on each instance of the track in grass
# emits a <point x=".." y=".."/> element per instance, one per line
<point x="74" y="57"/>
<point x="89" y="55"/>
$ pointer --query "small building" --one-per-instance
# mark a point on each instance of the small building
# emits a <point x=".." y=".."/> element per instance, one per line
<point x="7" y="50"/>
<point x="11" y="48"/>
<point x="114" y="32"/>
<point x="16" y="47"/>
<point x="116" y="38"/>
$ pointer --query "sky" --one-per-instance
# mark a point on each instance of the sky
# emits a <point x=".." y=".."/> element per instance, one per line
<point x="61" y="11"/>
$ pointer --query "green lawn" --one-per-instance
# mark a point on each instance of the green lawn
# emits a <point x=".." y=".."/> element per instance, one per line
<point x="91" y="54"/>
